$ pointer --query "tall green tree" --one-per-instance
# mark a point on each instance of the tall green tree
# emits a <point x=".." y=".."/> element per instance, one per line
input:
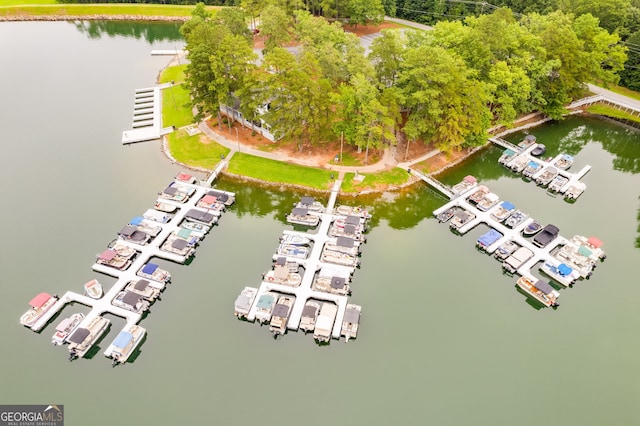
<point x="274" y="25"/>
<point x="364" y="11"/>
<point x="386" y="55"/>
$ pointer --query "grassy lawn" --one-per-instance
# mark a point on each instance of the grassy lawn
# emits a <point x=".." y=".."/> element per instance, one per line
<point x="50" y="7"/>
<point x="612" y="112"/>
<point x="373" y="181"/>
<point x="176" y="110"/>
<point x="277" y="171"/>
<point x="191" y="151"/>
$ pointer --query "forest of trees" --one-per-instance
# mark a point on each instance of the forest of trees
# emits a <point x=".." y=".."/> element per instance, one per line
<point x="445" y="86"/>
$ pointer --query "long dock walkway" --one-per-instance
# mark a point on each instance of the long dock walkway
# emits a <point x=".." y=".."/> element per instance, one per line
<point x="311" y="265"/>
<point x="147" y="116"/>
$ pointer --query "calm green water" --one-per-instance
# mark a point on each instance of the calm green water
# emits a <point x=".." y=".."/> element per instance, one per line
<point x="445" y="338"/>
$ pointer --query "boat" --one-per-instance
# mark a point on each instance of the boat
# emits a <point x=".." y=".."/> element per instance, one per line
<point x="518" y="258"/>
<point x="324" y="322"/>
<point x="291" y="266"/>
<point x="210" y="203"/>
<point x="158" y="216"/>
<point x="338" y="258"/>
<point x="547" y="176"/>
<point x="280" y="315"/>
<point x="344" y="210"/>
<point x="576" y="258"/>
<point x="93" y="289"/>
<point x="223" y="197"/>
<point x="146" y="226"/>
<point x="546" y="235"/>
<point x="298" y="252"/>
<point x="531" y="169"/>
<point x="131" y="301"/>
<point x="557" y="183"/>
<point x="282" y="275"/>
<point x="111" y="258"/>
<point x="310" y="204"/>
<point x="507" y="156"/>
<point x="309" y="316"/>
<point x="503" y="211"/>
<point x="593" y="244"/>
<point x="196" y="228"/>
<point x="506" y="249"/>
<point x="201" y="216"/>
<point x="39" y="306"/>
<point x="265" y="305"/>
<point x="466" y="184"/>
<point x="181" y="243"/>
<point x="301" y="216"/>
<point x="132" y="235"/>
<point x="66" y="327"/>
<point x="125" y="343"/>
<point x="516" y="219"/>
<point x="244" y="301"/>
<point x="351" y="321"/>
<point x="488" y="239"/>
<point x="332" y="284"/>
<point x="295" y="239"/>
<point x="564" y="162"/>
<point x="539" y="290"/>
<point x="488" y="201"/>
<point x="575" y="190"/>
<point x="185" y="178"/>
<point x="151" y="271"/>
<point x="532" y="228"/>
<point x="123" y="250"/>
<point x="357" y="222"/>
<point x="519" y="163"/>
<point x="344" y="245"/>
<point x="460" y="219"/>
<point x="144" y="288"/>
<point x="83" y="338"/>
<point x="478" y="194"/>
<point x="351" y="231"/>
<point x="447" y="214"/>
<point x="527" y="141"/>
<point x="538" y="150"/>
<point x="560" y="272"/>
<point x="176" y="192"/>
<point x="165" y="207"/>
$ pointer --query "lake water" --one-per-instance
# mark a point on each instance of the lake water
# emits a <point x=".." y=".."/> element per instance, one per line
<point x="445" y="339"/>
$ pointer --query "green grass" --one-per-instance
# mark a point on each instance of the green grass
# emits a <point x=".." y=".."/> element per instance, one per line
<point x="50" y="7"/>
<point x="190" y="151"/>
<point x="176" y="109"/>
<point x="375" y="181"/>
<point x="612" y="112"/>
<point x="279" y="172"/>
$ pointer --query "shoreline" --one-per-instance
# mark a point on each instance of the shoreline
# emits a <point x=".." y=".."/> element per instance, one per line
<point x="100" y="17"/>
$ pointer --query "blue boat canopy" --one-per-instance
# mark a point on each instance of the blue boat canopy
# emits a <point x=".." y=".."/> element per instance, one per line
<point x="564" y="270"/>
<point x="136" y="221"/>
<point x="122" y="339"/>
<point x="509" y="152"/>
<point x="507" y="205"/>
<point x="533" y="164"/>
<point x="149" y="268"/>
<point x="567" y="157"/>
<point x="489" y="238"/>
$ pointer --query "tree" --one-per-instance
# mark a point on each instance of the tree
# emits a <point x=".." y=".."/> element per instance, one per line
<point x="274" y="26"/>
<point x="363" y="11"/>
<point x="630" y="76"/>
<point x="386" y="55"/>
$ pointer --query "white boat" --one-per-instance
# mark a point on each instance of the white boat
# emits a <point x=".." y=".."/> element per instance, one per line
<point x="295" y="239"/>
<point x="343" y="245"/>
<point x="531" y="169"/>
<point x="132" y="235"/>
<point x="197" y="228"/>
<point x="176" y="244"/>
<point x="593" y="244"/>
<point x="351" y="321"/>
<point x="174" y="193"/>
<point x="201" y="216"/>
<point x="282" y="275"/>
<point x="223" y="197"/>
<point x="506" y="249"/>
<point x="352" y="211"/>
<point x="447" y="214"/>
<point x="151" y="271"/>
<point x="311" y="204"/>
<point x="244" y="301"/>
<point x="148" y="227"/>
<point x="111" y="258"/>
<point x="575" y="190"/>
<point x="519" y="163"/>
<point x="547" y="176"/>
<point x="309" y="316"/>
<point x="66" y="327"/>
<point x="503" y="211"/>
<point x="265" y="305"/>
<point x="332" y="284"/>
<point x="460" y="219"/>
<point x="532" y="228"/>
<point x="527" y="141"/>
<point x="539" y="290"/>
<point x="301" y="216"/>
<point x="123" y="250"/>
<point x="39" y="305"/>
<point x="560" y="272"/>
<point x="325" y="322"/>
<point x="125" y="343"/>
<point x="93" y="289"/>
<point x="516" y="219"/>
<point x="144" y="288"/>
<point x="211" y="203"/>
<point x="517" y="259"/>
<point x="564" y="162"/>
<point x="465" y="185"/>
<point x="557" y="183"/>
<point x="158" y="216"/>
<point x="184" y="177"/>
<point x="538" y="150"/>
<point x="298" y="252"/>
<point x="339" y="258"/>
<point x="478" y="194"/>
<point x="506" y="156"/>
<point x="165" y="207"/>
<point x="83" y="338"/>
<point x="280" y="315"/>
<point x="488" y="201"/>
<point x="131" y="301"/>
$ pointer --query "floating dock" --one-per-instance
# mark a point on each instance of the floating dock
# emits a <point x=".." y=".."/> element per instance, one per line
<point x="147" y="116"/>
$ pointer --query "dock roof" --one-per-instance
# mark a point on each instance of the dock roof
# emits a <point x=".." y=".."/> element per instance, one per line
<point x="281" y="310"/>
<point x="149" y="268"/>
<point x="352" y="220"/>
<point x="300" y="211"/>
<point x="179" y="244"/>
<point x="345" y="242"/>
<point x="78" y="336"/>
<point x="40" y="300"/>
<point x="352" y="316"/>
<point x="543" y="286"/>
<point x="122" y="339"/>
<point x="141" y="284"/>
